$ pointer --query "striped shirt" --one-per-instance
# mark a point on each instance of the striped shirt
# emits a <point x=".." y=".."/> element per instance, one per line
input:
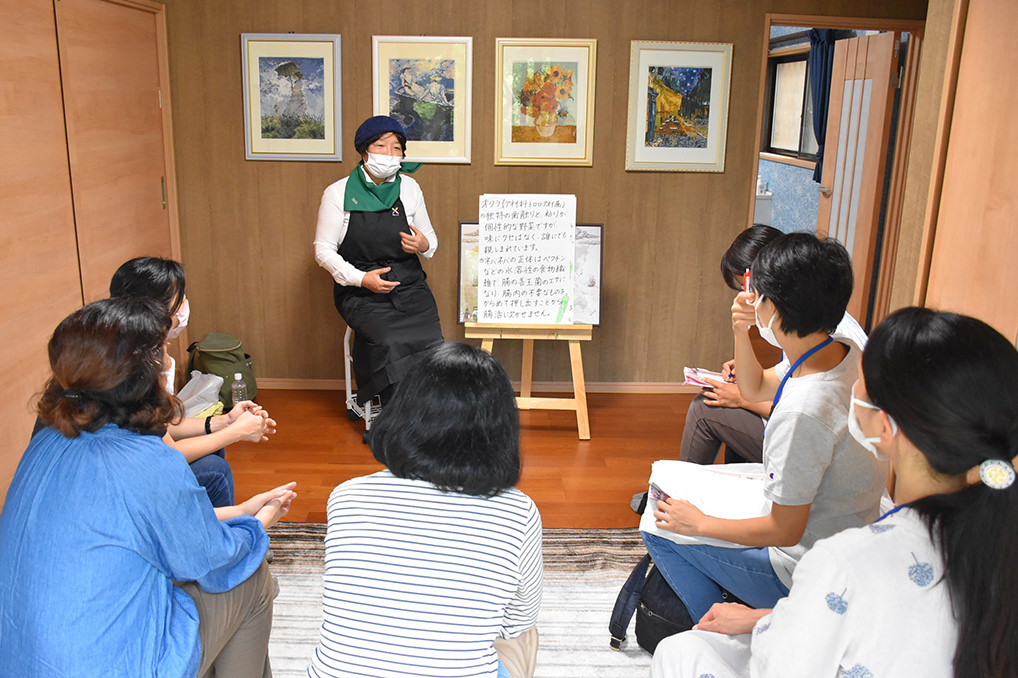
<point x="420" y="582"/>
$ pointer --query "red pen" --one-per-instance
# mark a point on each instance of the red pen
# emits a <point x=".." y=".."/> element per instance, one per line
<point x="745" y="281"/>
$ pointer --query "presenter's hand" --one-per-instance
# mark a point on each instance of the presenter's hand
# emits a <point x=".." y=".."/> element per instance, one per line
<point x="730" y="618"/>
<point x="679" y="516"/>
<point x="743" y="313"/>
<point x="723" y="394"/>
<point x="373" y="281"/>
<point x="416" y="243"/>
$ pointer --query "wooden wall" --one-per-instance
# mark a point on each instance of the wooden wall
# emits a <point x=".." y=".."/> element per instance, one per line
<point x="39" y="279"/>
<point x="247" y="226"/>
<point x="929" y="97"/>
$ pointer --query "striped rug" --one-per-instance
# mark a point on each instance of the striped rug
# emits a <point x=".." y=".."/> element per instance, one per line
<point x="584" y="570"/>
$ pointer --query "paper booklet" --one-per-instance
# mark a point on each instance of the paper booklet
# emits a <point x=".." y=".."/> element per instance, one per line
<point x="698" y="376"/>
<point x="732" y="491"/>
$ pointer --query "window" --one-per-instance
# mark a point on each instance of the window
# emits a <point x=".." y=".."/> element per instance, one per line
<point x="788" y="119"/>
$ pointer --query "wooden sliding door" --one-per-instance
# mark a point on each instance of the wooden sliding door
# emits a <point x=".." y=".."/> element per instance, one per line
<point x="39" y="282"/>
<point x="113" y="98"/>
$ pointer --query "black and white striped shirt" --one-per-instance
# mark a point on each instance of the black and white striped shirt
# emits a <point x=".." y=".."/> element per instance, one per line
<point x="419" y="582"/>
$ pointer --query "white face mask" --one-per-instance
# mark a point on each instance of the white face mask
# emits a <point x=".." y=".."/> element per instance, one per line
<point x="182" y="314"/>
<point x="382" y="166"/>
<point x="766" y="332"/>
<point x="856" y="431"/>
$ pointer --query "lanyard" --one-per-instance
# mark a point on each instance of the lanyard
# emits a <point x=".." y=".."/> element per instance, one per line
<point x="892" y="511"/>
<point x="794" y="367"/>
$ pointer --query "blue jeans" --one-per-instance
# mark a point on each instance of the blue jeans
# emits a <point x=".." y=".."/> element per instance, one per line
<point x="503" y="672"/>
<point x="213" y="473"/>
<point x="697" y="573"/>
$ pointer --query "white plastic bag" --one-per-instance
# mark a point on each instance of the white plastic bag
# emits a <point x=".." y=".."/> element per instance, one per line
<point x="200" y="392"/>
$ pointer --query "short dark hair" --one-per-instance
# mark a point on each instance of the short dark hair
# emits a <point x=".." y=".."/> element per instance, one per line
<point x="808" y="279"/>
<point x="106" y="360"/>
<point x="948" y="381"/>
<point x="452" y="422"/>
<point x="152" y="277"/>
<point x="740" y="254"/>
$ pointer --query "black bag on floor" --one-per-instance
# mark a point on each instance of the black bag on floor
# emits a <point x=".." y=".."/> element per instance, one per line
<point x="659" y="612"/>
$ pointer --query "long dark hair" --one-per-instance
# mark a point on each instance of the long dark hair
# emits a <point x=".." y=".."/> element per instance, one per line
<point x="453" y="422"/>
<point x="950" y="381"/>
<point x="106" y="359"/>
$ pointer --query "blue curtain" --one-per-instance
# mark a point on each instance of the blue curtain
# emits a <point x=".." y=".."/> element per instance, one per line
<point x="821" y="60"/>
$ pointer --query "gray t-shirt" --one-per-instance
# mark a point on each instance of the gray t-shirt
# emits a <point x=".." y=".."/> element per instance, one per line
<point x="810" y="458"/>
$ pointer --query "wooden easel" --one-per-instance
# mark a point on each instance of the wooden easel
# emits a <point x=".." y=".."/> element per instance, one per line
<point x="574" y="334"/>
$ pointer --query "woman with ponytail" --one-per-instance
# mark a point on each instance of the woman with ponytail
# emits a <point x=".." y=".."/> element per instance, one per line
<point x="929" y="589"/>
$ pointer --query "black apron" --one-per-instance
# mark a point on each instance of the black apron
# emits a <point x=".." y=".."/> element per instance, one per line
<point x="391" y="331"/>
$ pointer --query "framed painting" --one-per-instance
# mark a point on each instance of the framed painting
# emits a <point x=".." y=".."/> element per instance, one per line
<point x="678" y="106"/>
<point x="424" y="82"/>
<point x="587" y="273"/>
<point x="544" y="101"/>
<point x="292" y="101"/>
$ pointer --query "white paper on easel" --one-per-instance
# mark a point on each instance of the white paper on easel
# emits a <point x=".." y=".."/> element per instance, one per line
<point x="526" y="245"/>
<point x="732" y="491"/>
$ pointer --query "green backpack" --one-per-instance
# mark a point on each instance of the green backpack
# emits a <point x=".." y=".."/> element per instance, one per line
<point x="222" y="354"/>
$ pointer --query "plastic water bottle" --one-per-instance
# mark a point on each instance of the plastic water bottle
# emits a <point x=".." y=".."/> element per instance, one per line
<point x="238" y="389"/>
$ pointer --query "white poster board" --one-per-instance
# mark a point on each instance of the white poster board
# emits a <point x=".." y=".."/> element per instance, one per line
<point x="526" y="246"/>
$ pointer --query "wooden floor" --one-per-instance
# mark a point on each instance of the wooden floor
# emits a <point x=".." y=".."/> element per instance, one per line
<point x="575" y="483"/>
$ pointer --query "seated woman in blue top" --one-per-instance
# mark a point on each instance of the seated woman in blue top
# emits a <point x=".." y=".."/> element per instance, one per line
<point x="112" y="559"/>
<point x="929" y="589"/>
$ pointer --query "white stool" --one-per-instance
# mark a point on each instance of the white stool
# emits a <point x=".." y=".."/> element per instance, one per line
<point x="354" y="410"/>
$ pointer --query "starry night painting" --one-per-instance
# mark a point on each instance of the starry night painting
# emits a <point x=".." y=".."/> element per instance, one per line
<point x="678" y="106"/>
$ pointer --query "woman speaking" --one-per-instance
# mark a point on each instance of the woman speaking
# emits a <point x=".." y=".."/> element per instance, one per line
<point x="372" y="227"/>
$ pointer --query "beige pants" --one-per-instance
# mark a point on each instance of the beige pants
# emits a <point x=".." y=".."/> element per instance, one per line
<point x="519" y="654"/>
<point x="234" y="627"/>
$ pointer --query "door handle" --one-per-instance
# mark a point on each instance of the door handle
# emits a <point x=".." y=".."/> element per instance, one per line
<point x="826" y="192"/>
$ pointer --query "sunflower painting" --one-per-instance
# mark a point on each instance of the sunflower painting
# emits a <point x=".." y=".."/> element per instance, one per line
<point x="544" y="109"/>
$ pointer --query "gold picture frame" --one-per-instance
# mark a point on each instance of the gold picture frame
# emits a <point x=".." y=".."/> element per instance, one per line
<point x="544" y="101"/>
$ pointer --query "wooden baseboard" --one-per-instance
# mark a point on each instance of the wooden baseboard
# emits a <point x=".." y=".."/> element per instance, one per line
<point x="647" y="387"/>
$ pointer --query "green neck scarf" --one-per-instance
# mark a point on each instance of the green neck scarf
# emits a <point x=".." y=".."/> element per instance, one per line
<point x="364" y="195"/>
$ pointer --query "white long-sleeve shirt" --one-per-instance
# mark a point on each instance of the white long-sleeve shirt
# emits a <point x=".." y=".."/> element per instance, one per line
<point x="420" y="582"/>
<point x="333" y="221"/>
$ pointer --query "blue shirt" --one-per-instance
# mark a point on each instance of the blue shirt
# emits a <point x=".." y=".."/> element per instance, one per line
<point x="94" y="531"/>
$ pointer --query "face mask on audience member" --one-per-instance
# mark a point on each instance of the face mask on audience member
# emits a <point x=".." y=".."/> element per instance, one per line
<point x="766" y="332"/>
<point x="182" y="314"/>
<point x="382" y="166"/>
<point x="856" y="431"/>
